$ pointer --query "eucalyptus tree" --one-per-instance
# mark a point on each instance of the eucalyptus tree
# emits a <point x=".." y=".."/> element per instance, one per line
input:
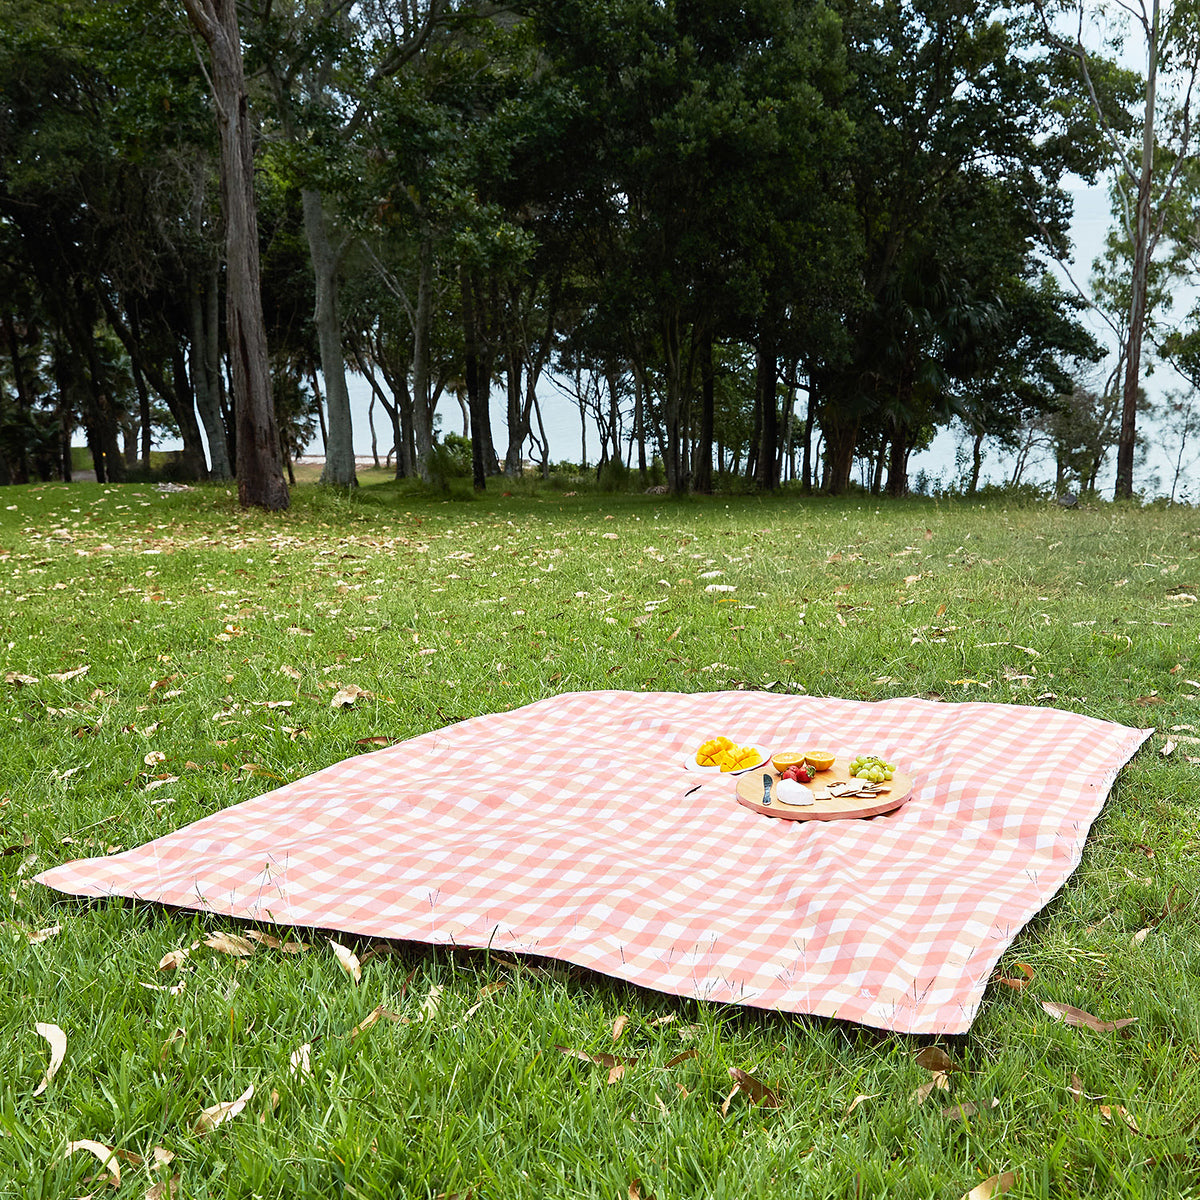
<point x="259" y="462"/>
<point x="325" y="60"/>
<point x="1151" y="143"/>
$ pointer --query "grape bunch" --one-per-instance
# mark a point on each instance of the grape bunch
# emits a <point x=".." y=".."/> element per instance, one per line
<point x="872" y="768"/>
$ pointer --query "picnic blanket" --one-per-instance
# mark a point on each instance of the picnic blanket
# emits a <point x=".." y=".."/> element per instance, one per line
<point x="558" y="829"/>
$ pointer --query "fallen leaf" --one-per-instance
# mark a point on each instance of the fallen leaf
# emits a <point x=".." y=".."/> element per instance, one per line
<point x="1139" y="937"/>
<point x="1018" y="984"/>
<point x="995" y="1186"/>
<point x="934" y="1058"/>
<point x="861" y="1098"/>
<point x="1168" y="747"/>
<point x="1147" y="701"/>
<point x="230" y="943"/>
<point x="174" y="959"/>
<point x="1070" y="1015"/>
<point x="1109" y="1112"/>
<point x="299" y="1062"/>
<point x="432" y="1003"/>
<point x="43" y="935"/>
<point x="484" y="993"/>
<point x="682" y="1056"/>
<point x="106" y="1155"/>
<point x="619" y="1026"/>
<point x="374" y="1015"/>
<point x="165" y="1189"/>
<point x="218" y="1114"/>
<point x="960" y="1112"/>
<point x="378" y="740"/>
<point x="345" y="696"/>
<point x="616" y="1066"/>
<point x="290" y="672"/>
<point x="348" y="960"/>
<point x="19" y="680"/>
<point x="165" y="1049"/>
<point x="635" y="1185"/>
<point x="154" y="758"/>
<point x="758" y="1091"/>
<point x="273" y="943"/>
<point x="58" y="1049"/>
<point x="939" y="1082"/>
<point x="63" y="676"/>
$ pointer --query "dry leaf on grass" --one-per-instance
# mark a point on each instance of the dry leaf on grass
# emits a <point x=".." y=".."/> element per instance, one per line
<point x="619" y="1026"/>
<point x="58" y="1049"/>
<point x="376" y="1014"/>
<point x="969" y="1109"/>
<point x="174" y="959"/>
<point x="273" y="943"/>
<point x="939" y="1082"/>
<point x="106" y="1155"/>
<point x="36" y="936"/>
<point x="345" y="696"/>
<point x="19" y="680"/>
<point x="432" y="1003"/>
<point x="484" y="993"/>
<point x="616" y="1066"/>
<point x="1070" y="1015"/>
<point x="166" y="1189"/>
<point x="230" y="943"/>
<point x="861" y="1098"/>
<point x="1110" y="1112"/>
<point x="934" y="1058"/>
<point x="682" y="1056"/>
<point x="218" y="1114"/>
<point x="635" y="1190"/>
<point x="995" y="1186"/>
<point x="64" y="676"/>
<point x="348" y="960"/>
<point x="755" y="1089"/>
<point x="1139" y="937"/>
<point x="1011" y="981"/>
<point x="299" y="1062"/>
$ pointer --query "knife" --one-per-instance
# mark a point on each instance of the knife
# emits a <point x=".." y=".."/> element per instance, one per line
<point x="766" y="790"/>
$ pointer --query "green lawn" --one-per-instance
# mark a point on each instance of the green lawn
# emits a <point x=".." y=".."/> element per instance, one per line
<point x="192" y="619"/>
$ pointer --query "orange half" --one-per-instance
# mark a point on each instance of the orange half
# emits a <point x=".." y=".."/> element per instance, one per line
<point x="788" y="758"/>
<point x="819" y="760"/>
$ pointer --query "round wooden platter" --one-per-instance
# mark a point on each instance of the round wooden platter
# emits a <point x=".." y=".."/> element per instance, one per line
<point x="893" y="793"/>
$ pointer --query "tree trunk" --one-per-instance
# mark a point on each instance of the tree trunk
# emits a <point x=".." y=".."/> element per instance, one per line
<point x="1141" y="264"/>
<point x="702" y="479"/>
<point x="422" y="418"/>
<point x="976" y="463"/>
<point x="767" y="386"/>
<point x="897" y="484"/>
<point x="673" y="431"/>
<point x="206" y="384"/>
<point x="339" y="444"/>
<point x="259" y="464"/>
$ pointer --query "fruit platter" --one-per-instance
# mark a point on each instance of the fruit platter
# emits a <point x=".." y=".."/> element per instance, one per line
<point x="817" y="785"/>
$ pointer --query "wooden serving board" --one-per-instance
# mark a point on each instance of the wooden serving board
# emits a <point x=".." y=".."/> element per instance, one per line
<point x="893" y="793"/>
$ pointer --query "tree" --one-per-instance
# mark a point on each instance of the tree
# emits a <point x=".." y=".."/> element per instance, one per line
<point x="1172" y="46"/>
<point x="259" y="461"/>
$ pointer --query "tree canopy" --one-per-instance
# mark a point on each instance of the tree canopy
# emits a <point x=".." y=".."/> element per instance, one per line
<point x="784" y="240"/>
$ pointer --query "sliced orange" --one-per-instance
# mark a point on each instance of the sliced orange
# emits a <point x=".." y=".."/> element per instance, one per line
<point x="819" y="760"/>
<point x="788" y="758"/>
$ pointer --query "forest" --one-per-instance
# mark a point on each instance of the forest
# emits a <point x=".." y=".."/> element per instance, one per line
<point x="687" y="212"/>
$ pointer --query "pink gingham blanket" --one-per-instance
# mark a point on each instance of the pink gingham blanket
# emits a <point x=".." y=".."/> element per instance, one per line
<point x="558" y="829"/>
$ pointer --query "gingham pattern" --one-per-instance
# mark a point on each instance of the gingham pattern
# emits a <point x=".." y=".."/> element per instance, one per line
<point x="553" y="829"/>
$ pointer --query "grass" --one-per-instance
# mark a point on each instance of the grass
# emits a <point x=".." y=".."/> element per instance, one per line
<point x="185" y="611"/>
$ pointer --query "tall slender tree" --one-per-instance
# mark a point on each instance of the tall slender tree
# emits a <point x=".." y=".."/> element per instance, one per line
<point x="259" y="459"/>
